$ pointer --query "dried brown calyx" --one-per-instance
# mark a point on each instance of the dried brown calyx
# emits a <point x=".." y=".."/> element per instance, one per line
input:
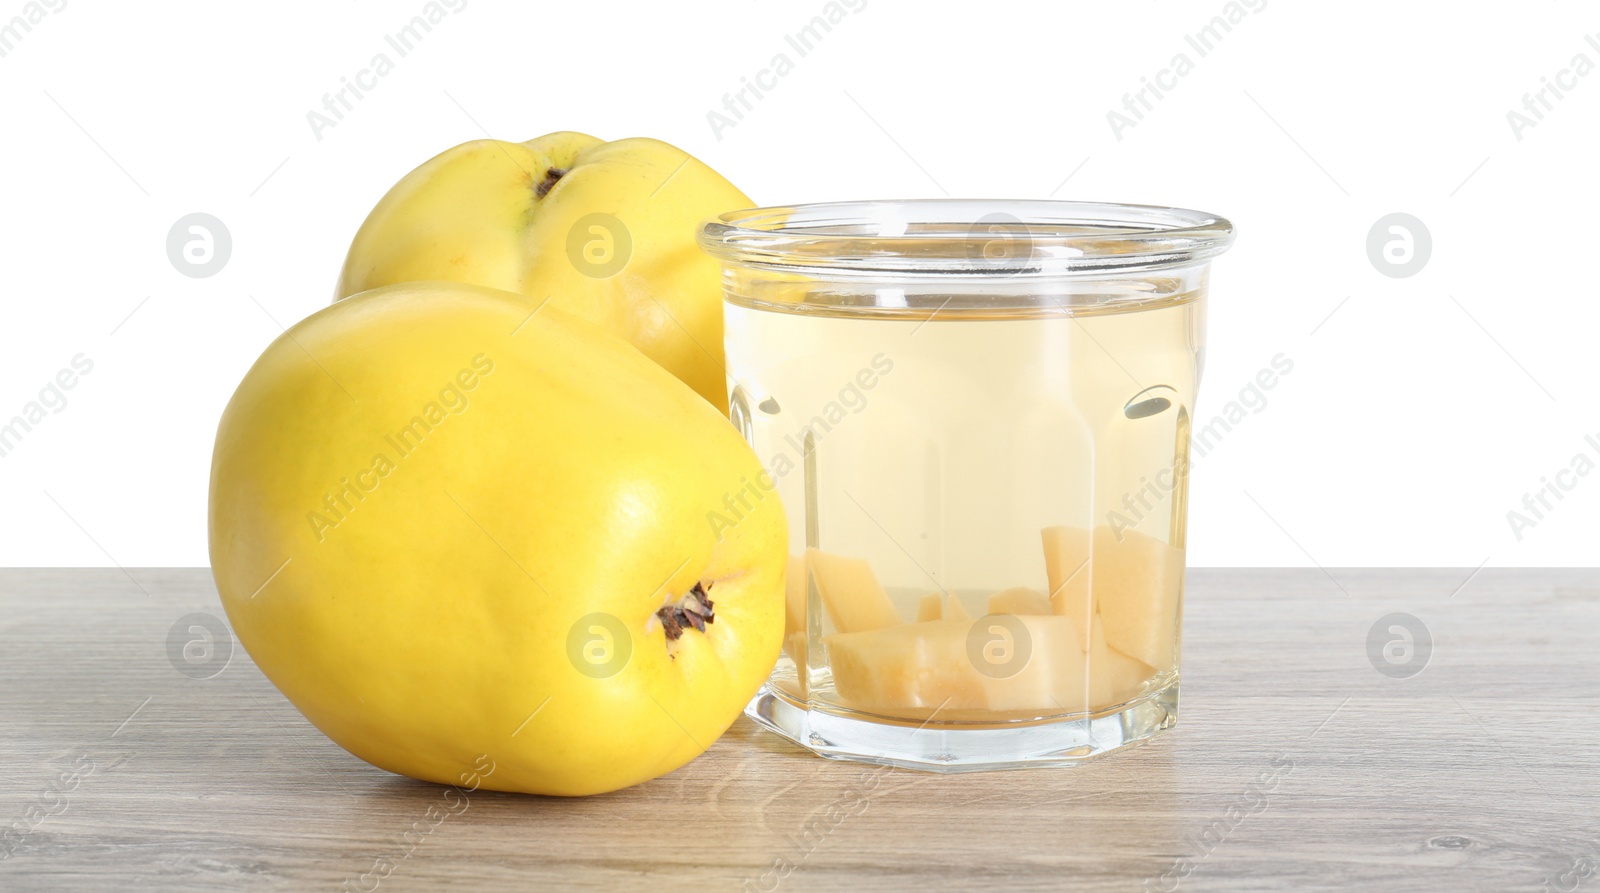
<point x="693" y="610"/>
<point x="551" y="176"/>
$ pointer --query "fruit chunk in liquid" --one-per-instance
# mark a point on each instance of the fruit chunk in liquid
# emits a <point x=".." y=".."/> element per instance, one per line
<point x="1133" y="583"/>
<point x="1127" y="595"/>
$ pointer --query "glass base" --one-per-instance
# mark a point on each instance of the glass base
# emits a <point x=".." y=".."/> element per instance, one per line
<point x="964" y="747"/>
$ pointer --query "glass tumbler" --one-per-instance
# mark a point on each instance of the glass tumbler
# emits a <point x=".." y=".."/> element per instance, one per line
<point x="977" y="416"/>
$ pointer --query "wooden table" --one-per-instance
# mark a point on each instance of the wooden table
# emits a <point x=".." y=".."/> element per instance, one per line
<point x="1297" y="765"/>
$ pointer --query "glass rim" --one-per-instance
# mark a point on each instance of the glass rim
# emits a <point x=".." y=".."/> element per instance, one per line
<point x="1030" y="238"/>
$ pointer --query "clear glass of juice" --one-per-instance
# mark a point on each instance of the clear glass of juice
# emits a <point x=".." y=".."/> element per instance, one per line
<point x="977" y="415"/>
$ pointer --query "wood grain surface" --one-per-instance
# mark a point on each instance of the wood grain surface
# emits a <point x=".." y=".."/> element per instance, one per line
<point x="1297" y="764"/>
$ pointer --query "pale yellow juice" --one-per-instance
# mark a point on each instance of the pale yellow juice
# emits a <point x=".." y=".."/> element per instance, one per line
<point x="993" y="506"/>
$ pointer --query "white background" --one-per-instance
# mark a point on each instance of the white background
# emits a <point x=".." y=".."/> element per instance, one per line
<point x="1419" y="411"/>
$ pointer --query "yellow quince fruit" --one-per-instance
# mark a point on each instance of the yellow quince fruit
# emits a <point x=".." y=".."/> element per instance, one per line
<point x="474" y="542"/>
<point x="602" y="230"/>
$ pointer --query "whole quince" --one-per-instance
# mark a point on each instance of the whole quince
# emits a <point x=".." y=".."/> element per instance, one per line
<point x="602" y="230"/>
<point x="471" y="538"/>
